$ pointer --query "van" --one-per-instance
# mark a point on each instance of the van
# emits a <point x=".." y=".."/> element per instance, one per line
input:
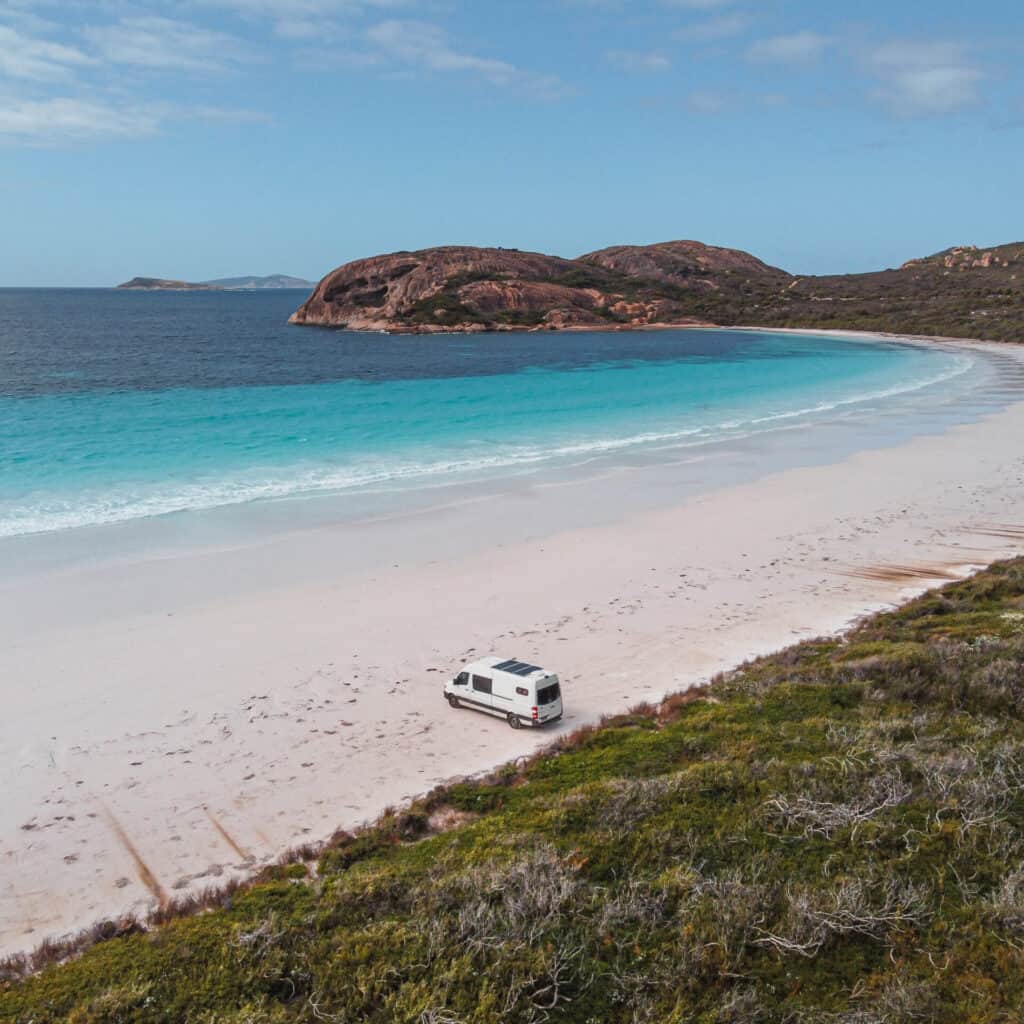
<point x="520" y="693"/>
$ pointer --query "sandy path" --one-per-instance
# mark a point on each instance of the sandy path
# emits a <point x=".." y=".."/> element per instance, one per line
<point x="177" y="721"/>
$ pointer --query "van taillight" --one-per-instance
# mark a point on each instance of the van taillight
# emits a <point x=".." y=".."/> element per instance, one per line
<point x="535" y="714"/>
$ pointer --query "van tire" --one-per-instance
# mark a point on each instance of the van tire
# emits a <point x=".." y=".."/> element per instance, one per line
<point x="514" y="720"/>
<point x="454" y="701"/>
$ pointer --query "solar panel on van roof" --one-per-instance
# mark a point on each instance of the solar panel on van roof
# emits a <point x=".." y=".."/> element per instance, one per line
<point x="517" y="668"/>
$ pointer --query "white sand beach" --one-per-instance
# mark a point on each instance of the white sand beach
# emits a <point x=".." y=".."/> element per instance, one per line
<point x="179" y="718"/>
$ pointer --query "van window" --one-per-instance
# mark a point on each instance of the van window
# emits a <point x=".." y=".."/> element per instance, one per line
<point x="548" y="694"/>
<point x="461" y="679"/>
<point x="481" y="684"/>
<point x="522" y="691"/>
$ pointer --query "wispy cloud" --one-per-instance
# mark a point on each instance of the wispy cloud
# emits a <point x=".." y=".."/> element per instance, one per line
<point x="916" y="78"/>
<point x="910" y="77"/>
<point x="713" y="30"/>
<point x="66" y="119"/>
<point x="164" y="44"/>
<point x="707" y="102"/>
<point x="308" y="29"/>
<point x="221" y="115"/>
<point x="334" y="58"/>
<point x="634" y="60"/>
<point x="697" y="5"/>
<point x="305" y="9"/>
<point x="795" y="49"/>
<point x="425" y="47"/>
<point x="27" y="57"/>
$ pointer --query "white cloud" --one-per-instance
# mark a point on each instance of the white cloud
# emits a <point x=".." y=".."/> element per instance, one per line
<point x="913" y="78"/>
<point x="933" y="90"/>
<point x="915" y="54"/>
<point x="26" y="57"/>
<point x="723" y="27"/>
<point x="65" y="119"/>
<point x="423" y="46"/>
<point x="706" y="102"/>
<point x="305" y="9"/>
<point x="160" y="43"/>
<point x="918" y="78"/>
<point x="310" y="30"/>
<point x="697" y="5"/>
<point x="795" y="49"/>
<point x="330" y="59"/>
<point x="426" y="45"/>
<point x="633" y="60"/>
<point x="222" y="115"/>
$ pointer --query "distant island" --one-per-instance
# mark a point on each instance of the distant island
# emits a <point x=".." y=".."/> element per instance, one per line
<point x="160" y="284"/>
<point x="251" y="283"/>
<point x="960" y="292"/>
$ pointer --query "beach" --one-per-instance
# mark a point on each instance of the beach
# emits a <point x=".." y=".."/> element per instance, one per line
<point x="186" y="712"/>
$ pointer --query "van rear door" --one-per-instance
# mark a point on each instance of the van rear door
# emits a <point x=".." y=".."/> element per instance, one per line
<point x="549" y="698"/>
<point x="481" y="694"/>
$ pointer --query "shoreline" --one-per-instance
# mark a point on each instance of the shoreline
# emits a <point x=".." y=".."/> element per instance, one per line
<point x="213" y="708"/>
<point x="613" y="328"/>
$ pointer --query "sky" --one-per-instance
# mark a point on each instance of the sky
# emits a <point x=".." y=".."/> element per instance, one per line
<point x="214" y="138"/>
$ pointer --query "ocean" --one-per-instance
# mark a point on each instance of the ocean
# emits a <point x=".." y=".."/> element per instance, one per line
<point x="118" y="406"/>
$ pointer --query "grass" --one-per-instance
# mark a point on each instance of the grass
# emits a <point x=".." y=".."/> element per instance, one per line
<point x="834" y="834"/>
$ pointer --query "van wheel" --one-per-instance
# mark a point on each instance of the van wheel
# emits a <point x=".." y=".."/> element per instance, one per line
<point x="515" y="721"/>
<point x="454" y="701"/>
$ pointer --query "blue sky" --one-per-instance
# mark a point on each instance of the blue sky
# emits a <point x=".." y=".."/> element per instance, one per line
<point x="208" y="138"/>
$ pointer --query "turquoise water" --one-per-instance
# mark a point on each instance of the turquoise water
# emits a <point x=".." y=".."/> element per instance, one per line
<point x="79" y="448"/>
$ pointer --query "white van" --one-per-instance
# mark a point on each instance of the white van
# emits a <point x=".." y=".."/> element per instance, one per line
<point x="522" y="694"/>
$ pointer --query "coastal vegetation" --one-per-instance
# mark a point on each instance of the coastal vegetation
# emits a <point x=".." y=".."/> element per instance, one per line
<point x="833" y="834"/>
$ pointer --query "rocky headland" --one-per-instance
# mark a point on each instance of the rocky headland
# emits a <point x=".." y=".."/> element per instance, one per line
<point x="961" y="292"/>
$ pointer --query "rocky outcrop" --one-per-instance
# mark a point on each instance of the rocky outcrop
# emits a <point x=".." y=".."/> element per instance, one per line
<point x="685" y="263"/>
<point x="962" y="292"/>
<point x="970" y="257"/>
<point x="444" y="287"/>
<point x="465" y="288"/>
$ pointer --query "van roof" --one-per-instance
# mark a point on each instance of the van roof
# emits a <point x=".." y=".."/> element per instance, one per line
<point x="510" y="665"/>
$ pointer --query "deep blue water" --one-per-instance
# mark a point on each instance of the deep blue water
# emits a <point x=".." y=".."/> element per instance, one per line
<point x="118" y="405"/>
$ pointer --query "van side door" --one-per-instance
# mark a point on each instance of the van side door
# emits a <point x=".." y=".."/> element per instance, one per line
<point x="481" y="691"/>
<point x="503" y="694"/>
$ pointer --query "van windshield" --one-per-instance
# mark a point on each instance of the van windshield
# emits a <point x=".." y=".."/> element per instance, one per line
<point x="548" y="694"/>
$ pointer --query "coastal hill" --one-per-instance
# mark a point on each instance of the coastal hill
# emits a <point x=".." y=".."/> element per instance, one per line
<point x="830" y="835"/>
<point x="160" y="284"/>
<point x="960" y="292"/>
<point x="686" y="263"/>
<point x="465" y="288"/>
<point x="272" y="281"/>
<point x="259" y="283"/>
